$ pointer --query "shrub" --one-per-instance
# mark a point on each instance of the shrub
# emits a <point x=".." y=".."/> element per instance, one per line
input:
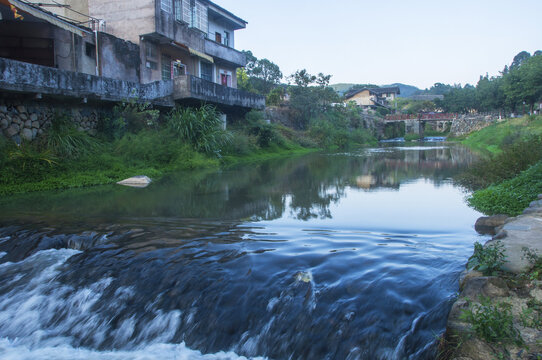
<point x="200" y="127"/>
<point x="487" y="259"/>
<point x="411" y="137"/>
<point x="503" y="166"/>
<point x="64" y="140"/>
<point x="137" y="116"/>
<point x="241" y="144"/>
<point x="150" y="147"/>
<point x="275" y="96"/>
<point x="492" y="322"/>
<point x="510" y="197"/>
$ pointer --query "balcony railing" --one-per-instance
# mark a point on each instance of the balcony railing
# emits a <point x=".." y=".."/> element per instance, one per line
<point x="224" y="52"/>
<point x="191" y="87"/>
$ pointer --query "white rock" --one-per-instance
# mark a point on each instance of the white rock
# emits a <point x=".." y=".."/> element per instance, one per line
<point x="136" y="181"/>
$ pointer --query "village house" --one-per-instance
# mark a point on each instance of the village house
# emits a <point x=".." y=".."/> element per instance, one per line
<point x="370" y="98"/>
<point x="183" y="48"/>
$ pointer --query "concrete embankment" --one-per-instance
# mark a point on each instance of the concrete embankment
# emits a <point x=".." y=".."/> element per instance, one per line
<point x="500" y="316"/>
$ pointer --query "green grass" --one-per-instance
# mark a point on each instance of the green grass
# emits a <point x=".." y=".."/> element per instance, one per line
<point x="137" y="141"/>
<point x="494" y="138"/>
<point x="509" y="174"/>
<point x="510" y="197"/>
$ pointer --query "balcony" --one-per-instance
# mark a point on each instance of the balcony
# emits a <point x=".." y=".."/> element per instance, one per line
<point x="187" y="87"/>
<point x="224" y="53"/>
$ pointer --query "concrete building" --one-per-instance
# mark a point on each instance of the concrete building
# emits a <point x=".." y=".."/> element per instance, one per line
<point x="369" y="98"/>
<point x="177" y="37"/>
<point x="187" y="43"/>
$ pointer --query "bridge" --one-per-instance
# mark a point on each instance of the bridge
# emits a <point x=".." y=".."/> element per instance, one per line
<point x="421" y="116"/>
<point x="416" y="123"/>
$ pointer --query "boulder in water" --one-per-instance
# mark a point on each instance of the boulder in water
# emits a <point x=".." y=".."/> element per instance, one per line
<point x="141" y="181"/>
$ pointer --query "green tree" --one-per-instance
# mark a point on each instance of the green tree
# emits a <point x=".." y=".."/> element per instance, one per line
<point x="519" y="59"/>
<point x="310" y="95"/>
<point x="263" y="74"/>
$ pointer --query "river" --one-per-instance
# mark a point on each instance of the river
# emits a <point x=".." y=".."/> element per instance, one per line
<point x="324" y="256"/>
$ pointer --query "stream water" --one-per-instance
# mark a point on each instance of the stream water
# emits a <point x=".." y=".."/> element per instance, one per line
<point x="324" y="256"/>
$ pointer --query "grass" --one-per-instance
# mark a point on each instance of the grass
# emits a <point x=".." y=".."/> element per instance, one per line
<point x="510" y="197"/>
<point x="494" y="138"/>
<point x="136" y="141"/>
<point x="509" y="174"/>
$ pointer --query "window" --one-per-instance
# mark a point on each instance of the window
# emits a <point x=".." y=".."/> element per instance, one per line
<point x="166" y="67"/>
<point x="90" y="50"/>
<point x="218" y="37"/>
<point x="178" y="68"/>
<point x="206" y="71"/>
<point x="151" y="65"/>
<point x="179" y="10"/>
<point x="225" y="78"/>
<point x="150" y="51"/>
<point x="199" y="17"/>
<point x="226" y="38"/>
<point x="187" y="12"/>
<point x="166" y="5"/>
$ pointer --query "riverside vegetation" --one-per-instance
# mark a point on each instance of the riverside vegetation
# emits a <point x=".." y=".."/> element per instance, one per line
<point x="140" y="140"/>
<point x="508" y="177"/>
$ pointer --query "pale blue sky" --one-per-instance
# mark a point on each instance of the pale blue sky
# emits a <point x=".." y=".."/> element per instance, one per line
<point x="417" y="42"/>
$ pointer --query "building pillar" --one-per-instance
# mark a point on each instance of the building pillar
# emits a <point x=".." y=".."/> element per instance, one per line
<point x="224" y="119"/>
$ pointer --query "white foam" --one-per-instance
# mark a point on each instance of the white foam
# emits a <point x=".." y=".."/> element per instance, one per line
<point x="31" y="309"/>
<point x="11" y="351"/>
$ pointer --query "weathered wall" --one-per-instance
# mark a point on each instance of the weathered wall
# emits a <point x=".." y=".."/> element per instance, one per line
<point x="119" y="59"/>
<point x="81" y="6"/>
<point x="465" y="124"/>
<point x="215" y="27"/>
<point x="25" y="119"/>
<point x="126" y="19"/>
<point x="17" y="76"/>
<point x="196" y="88"/>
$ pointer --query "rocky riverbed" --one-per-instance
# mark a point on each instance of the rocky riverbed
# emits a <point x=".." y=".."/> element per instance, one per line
<point x="498" y="314"/>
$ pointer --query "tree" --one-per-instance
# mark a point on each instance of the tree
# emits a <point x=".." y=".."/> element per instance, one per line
<point x="519" y="59"/>
<point x="530" y="75"/>
<point x="302" y="78"/>
<point x="263" y="74"/>
<point x="310" y="95"/>
<point x="243" y="81"/>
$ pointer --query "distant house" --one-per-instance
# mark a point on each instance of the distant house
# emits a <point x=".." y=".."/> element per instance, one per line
<point x="369" y="98"/>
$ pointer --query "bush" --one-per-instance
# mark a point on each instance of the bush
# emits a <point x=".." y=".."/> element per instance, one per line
<point x="241" y="144"/>
<point x="412" y="137"/>
<point x="488" y="259"/>
<point x="151" y="147"/>
<point x="200" y="127"/>
<point x="64" y="140"/>
<point x="492" y="322"/>
<point x="503" y="166"/>
<point x="510" y="197"/>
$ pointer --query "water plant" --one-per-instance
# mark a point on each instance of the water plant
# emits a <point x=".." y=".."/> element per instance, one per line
<point x="487" y="259"/>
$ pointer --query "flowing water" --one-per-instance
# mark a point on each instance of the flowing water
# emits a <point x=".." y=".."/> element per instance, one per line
<point x="324" y="256"/>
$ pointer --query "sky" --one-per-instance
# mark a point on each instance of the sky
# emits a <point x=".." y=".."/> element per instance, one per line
<point x="415" y="42"/>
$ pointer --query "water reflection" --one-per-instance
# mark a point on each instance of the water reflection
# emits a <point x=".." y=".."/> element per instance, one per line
<point x="257" y="192"/>
<point x="326" y="256"/>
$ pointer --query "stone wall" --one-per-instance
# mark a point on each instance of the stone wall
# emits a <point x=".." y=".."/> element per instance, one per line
<point x="465" y="124"/>
<point x="25" y="120"/>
